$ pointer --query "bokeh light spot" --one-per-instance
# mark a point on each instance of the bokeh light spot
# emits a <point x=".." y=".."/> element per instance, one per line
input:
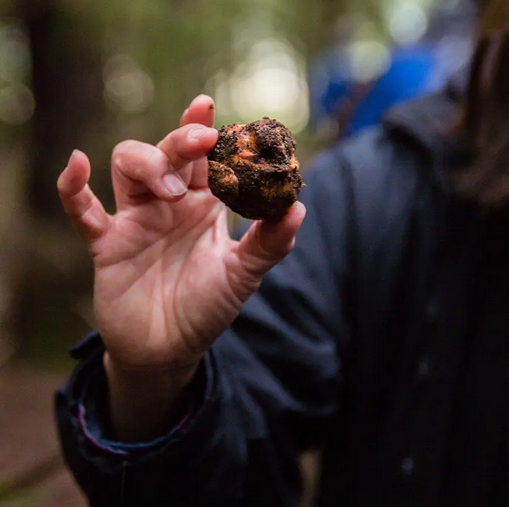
<point x="270" y="82"/>
<point x="127" y="86"/>
<point x="17" y="104"/>
<point x="407" y="21"/>
<point x="369" y="59"/>
<point x="15" y="61"/>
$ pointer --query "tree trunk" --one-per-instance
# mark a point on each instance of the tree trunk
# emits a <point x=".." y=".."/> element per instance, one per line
<point x="68" y="91"/>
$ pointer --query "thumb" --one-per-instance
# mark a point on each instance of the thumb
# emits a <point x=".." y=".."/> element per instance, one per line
<point x="267" y="242"/>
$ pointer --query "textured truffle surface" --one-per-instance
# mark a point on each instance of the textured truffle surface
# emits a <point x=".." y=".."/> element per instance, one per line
<point x="253" y="169"/>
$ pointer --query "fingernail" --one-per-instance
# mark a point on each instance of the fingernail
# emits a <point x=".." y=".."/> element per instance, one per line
<point x="175" y="184"/>
<point x="196" y="133"/>
<point x="298" y="204"/>
<point x="199" y="97"/>
<point x="73" y="156"/>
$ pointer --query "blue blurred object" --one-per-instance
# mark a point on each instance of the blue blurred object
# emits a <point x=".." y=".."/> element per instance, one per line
<point x="409" y="75"/>
<point x="338" y="100"/>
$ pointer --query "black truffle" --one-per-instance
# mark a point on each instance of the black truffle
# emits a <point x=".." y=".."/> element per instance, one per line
<point x="253" y="169"/>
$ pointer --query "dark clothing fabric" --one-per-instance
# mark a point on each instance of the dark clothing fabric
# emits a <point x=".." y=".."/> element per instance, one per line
<point x="383" y="339"/>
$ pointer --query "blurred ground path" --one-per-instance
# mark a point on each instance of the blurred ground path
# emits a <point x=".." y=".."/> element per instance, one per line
<point x="32" y="473"/>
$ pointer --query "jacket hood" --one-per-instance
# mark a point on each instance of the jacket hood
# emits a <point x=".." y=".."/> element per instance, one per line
<point x="430" y="123"/>
<point x="430" y="120"/>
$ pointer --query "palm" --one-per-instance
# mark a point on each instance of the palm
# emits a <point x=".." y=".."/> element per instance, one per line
<point x="173" y="263"/>
<point x="168" y="278"/>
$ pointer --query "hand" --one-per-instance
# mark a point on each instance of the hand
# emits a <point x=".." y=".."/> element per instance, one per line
<point x="168" y="278"/>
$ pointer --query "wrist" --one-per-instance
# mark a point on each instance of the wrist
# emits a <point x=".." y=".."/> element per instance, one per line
<point x="142" y="401"/>
<point x="175" y="372"/>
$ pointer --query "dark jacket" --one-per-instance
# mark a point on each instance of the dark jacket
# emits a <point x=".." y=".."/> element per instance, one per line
<point x="382" y="339"/>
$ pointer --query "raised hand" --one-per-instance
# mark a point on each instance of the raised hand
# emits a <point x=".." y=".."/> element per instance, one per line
<point x="168" y="278"/>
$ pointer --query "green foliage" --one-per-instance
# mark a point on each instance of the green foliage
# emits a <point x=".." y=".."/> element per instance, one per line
<point x="116" y="69"/>
<point x="180" y="44"/>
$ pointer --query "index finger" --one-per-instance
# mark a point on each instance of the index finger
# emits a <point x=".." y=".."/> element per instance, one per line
<point x="202" y="110"/>
<point x="188" y="144"/>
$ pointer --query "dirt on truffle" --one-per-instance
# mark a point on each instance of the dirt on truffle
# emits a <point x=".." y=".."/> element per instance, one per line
<point x="253" y="169"/>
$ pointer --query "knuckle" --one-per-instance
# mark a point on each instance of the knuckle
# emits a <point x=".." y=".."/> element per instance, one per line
<point x="155" y="158"/>
<point x="85" y="211"/>
<point x="264" y="252"/>
<point x="123" y="150"/>
<point x="138" y="160"/>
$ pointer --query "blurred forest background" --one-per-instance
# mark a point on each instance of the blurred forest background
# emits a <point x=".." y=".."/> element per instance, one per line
<point x="88" y="74"/>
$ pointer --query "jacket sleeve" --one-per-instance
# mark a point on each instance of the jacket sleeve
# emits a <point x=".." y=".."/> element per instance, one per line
<point x="266" y="390"/>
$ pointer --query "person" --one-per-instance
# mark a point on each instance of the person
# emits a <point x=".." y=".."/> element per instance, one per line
<point x="351" y="104"/>
<point x="382" y="338"/>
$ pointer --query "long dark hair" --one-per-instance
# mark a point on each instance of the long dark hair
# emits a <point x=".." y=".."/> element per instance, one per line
<point x="486" y="111"/>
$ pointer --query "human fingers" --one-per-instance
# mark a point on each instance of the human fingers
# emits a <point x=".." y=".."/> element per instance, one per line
<point x="142" y="172"/>
<point x="188" y="144"/>
<point x="201" y="110"/>
<point x="79" y="202"/>
<point x="268" y="242"/>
